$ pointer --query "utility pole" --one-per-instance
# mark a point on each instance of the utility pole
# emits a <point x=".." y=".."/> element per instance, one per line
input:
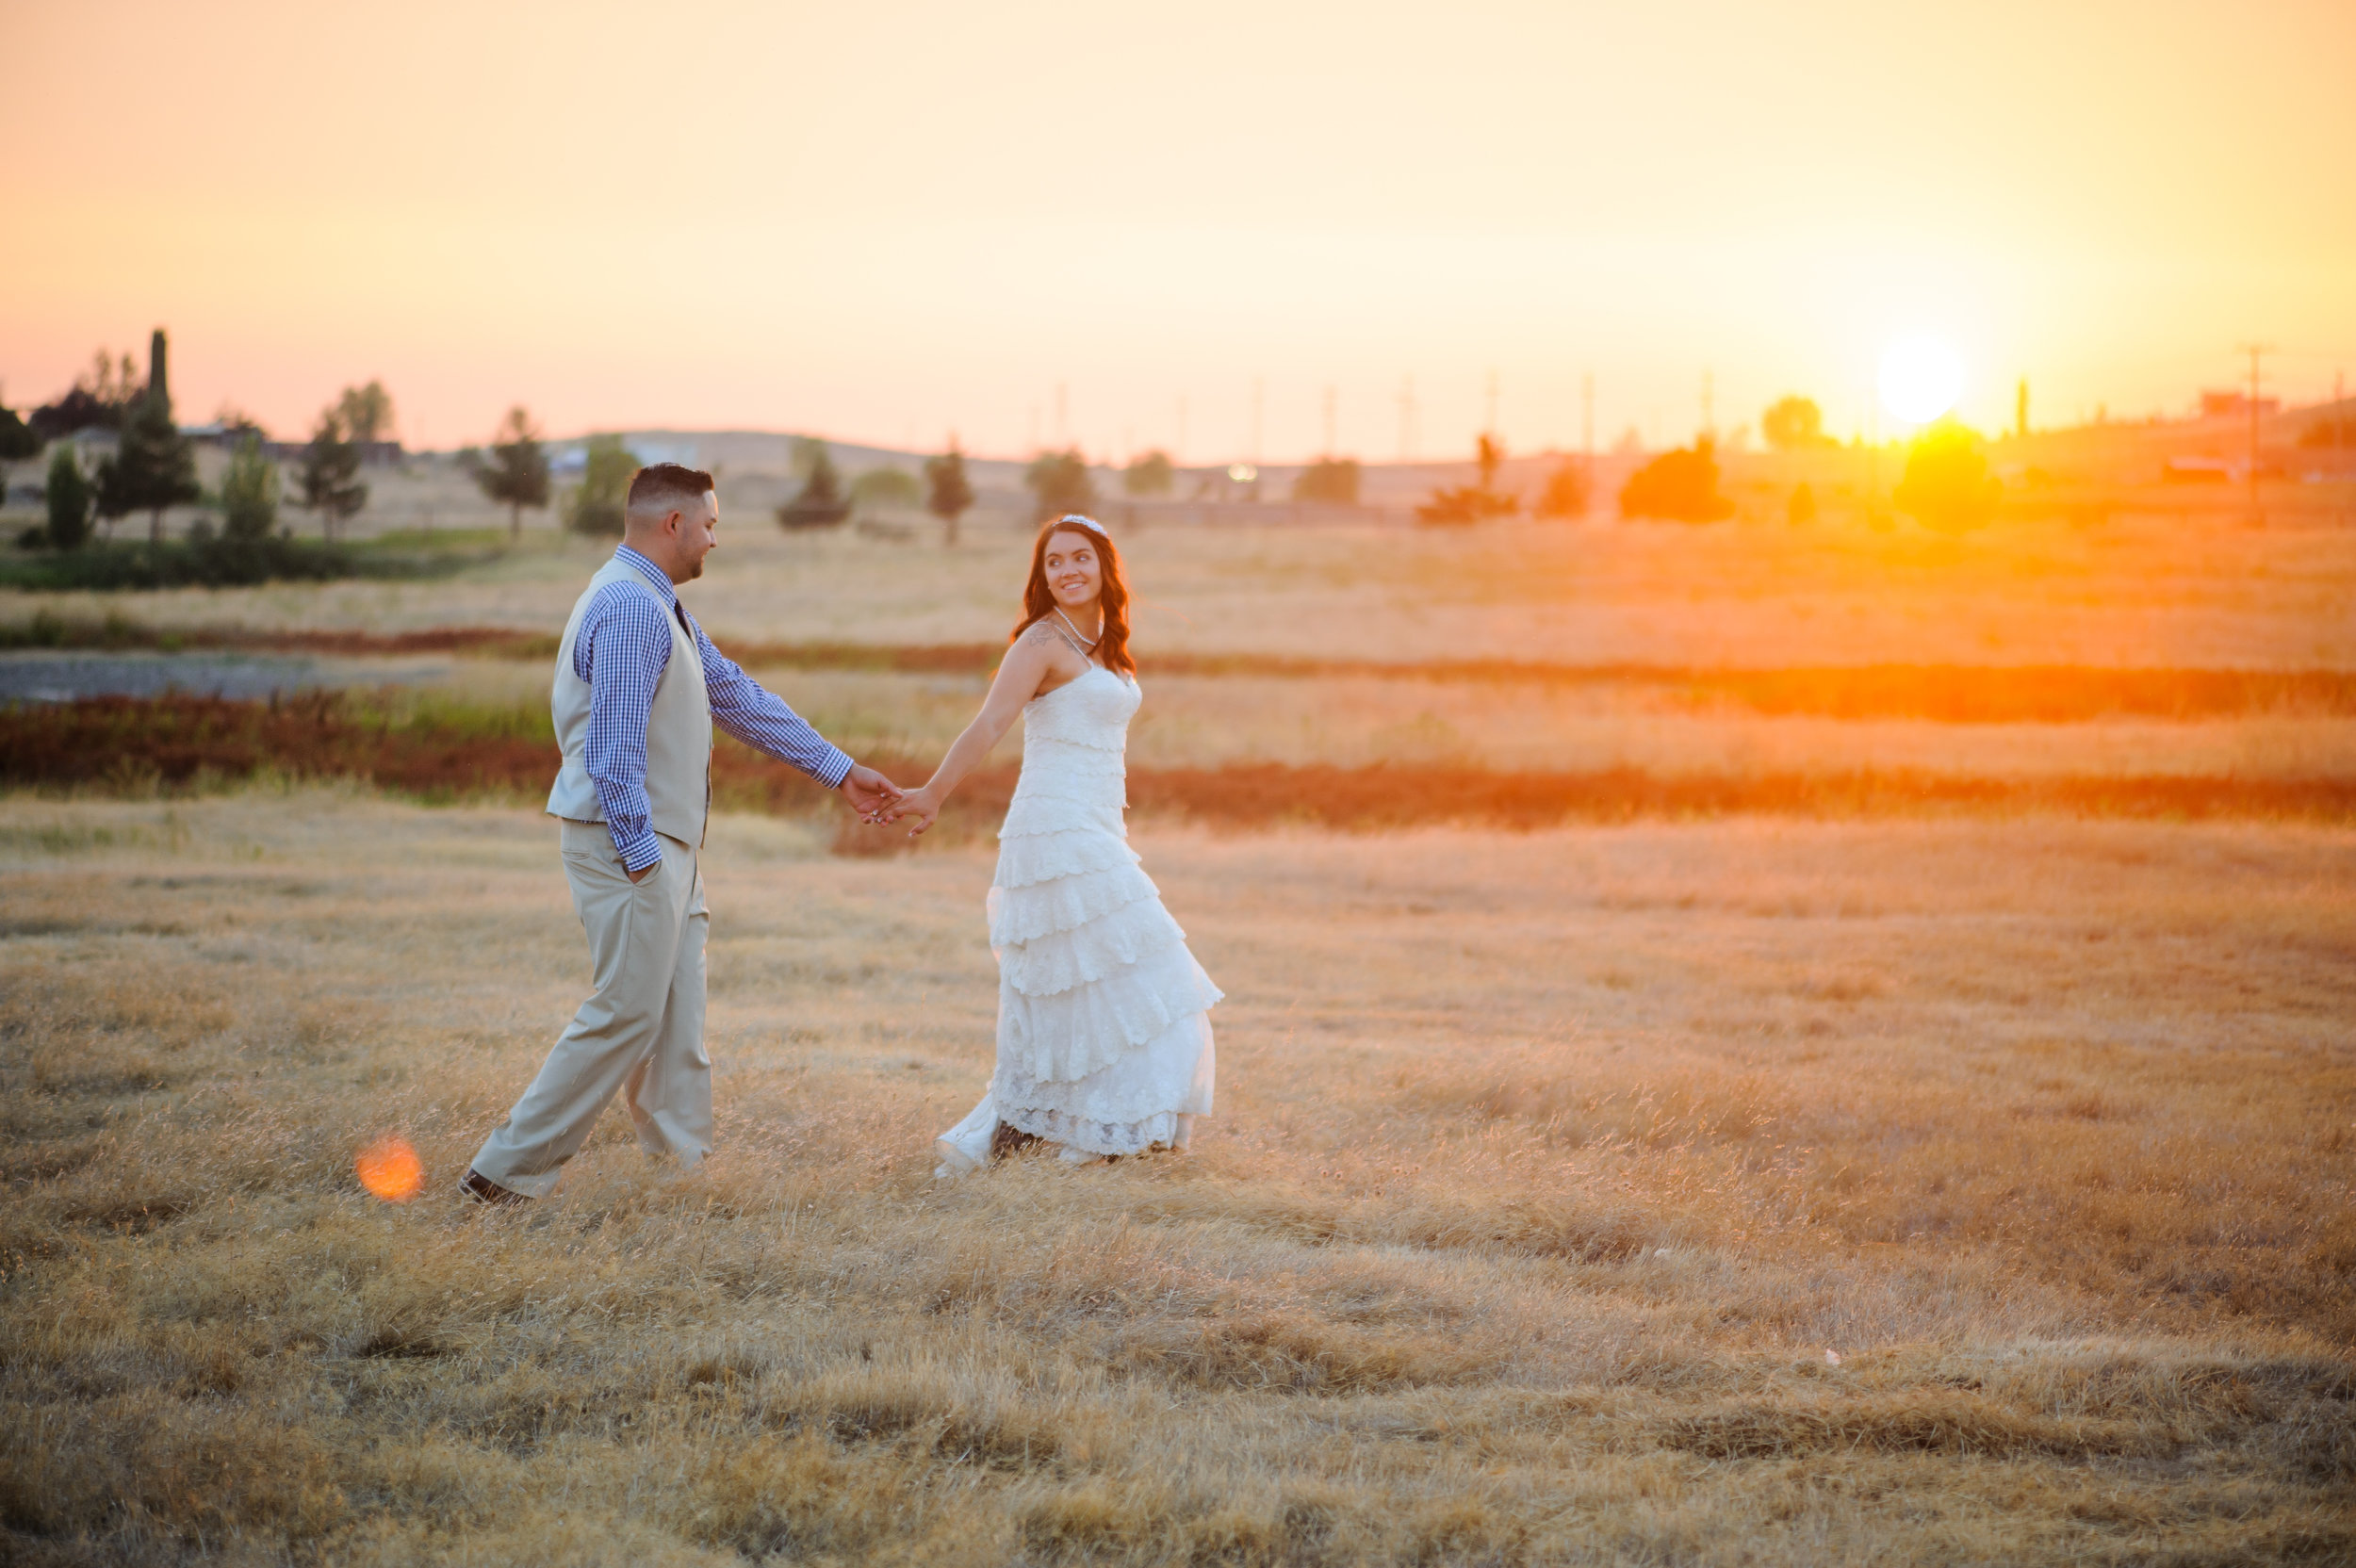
<point x="2254" y="350"/>
<point x="2020" y="409"/>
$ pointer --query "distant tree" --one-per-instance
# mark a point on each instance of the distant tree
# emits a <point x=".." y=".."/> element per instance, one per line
<point x="1679" y="485"/>
<point x="17" y="440"/>
<point x="949" y="493"/>
<point x="886" y="489"/>
<point x="329" y="479"/>
<point x="822" y="504"/>
<point x="114" y="382"/>
<point x="1470" y="503"/>
<point x="100" y="400"/>
<point x="1800" y="509"/>
<point x="517" y="475"/>
<point x="1333" y="481"/>
<point x="367" y="413"/>
<point x="1059" y="483"/>
<point x="595" y="505"/>
<point x="248" y="493"/>
<point x="153" y="466"/>
<point x="1794" y="424"/>
<point x="1150" y="475"/>
<point x="1565" y="495"/>
<point x="1946" y="486"/>
<point x="69" y="499"/>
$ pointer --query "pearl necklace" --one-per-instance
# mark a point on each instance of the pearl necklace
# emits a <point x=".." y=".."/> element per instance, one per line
<point x="1090" y="641"/>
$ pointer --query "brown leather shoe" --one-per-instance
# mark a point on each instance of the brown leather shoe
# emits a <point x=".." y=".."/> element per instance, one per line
<point x="1006" y="1139"/>
<point x="484" y="1190"/>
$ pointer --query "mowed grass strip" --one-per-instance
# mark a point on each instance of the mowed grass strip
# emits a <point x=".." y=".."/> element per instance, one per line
<point x="442" y="750"/>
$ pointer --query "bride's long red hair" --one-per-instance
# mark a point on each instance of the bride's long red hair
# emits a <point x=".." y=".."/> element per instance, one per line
<point x="1113" y="592"/>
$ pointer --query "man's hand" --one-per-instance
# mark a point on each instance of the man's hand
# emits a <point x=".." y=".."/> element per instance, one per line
<point x="643" y="872"/>
<point x="868" y="791"/>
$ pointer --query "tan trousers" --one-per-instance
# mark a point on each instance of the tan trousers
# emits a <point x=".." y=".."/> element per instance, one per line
<point x="641" y="1031"/>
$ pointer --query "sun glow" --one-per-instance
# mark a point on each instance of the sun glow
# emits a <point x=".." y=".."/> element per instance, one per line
<point x="1920" y="378"/>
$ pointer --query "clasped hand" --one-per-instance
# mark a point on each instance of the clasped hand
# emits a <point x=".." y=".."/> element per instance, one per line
<point x="879" y="802"/>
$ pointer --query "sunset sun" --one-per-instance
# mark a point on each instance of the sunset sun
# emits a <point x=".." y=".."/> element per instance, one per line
<point x="1921" y="378"/>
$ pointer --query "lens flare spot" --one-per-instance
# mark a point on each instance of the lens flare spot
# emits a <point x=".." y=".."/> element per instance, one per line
<point x="389" y="1169"/>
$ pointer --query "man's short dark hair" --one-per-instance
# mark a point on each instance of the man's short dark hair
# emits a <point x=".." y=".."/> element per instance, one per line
<point x="658" y="485"/>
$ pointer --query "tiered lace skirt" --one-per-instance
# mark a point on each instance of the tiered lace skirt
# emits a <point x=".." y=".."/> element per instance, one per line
<point x="1104" y="1027"/>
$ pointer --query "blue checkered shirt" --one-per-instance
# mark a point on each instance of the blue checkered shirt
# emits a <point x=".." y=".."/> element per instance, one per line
<point x="621" y="650"/>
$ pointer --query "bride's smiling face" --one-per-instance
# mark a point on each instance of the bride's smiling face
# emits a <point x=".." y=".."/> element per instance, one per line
<point x="1074" y="576"/>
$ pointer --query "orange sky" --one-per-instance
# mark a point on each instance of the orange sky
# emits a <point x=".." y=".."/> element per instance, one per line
<point x="884" y="221"/>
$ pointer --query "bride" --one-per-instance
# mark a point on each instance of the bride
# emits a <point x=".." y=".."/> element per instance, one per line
<point x="1103" y="1025"/>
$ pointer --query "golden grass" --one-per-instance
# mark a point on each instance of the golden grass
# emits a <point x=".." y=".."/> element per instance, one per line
<point x="1547" y="1170"/>
<point x="2142" y="592"/>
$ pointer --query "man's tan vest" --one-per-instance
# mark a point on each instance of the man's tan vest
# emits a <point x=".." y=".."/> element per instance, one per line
<point x="678" y="730"/>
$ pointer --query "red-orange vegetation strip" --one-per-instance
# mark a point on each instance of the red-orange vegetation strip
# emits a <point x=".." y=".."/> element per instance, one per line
<point x="179" y="741"/>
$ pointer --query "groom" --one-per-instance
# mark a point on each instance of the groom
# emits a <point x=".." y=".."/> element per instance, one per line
<point x="638" y="689"/>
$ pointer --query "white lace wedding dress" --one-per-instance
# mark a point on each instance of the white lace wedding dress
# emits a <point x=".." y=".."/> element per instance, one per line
<point x="1104" y="1024"/>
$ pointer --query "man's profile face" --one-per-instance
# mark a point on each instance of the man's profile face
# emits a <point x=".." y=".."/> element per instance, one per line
<point x="698" y="533"/>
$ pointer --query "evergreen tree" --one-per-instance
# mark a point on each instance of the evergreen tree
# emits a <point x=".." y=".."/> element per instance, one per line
<point x="249" y="493"/>
<point x="1470" y="503"/>
<point x="517" y="474"/>
<point x="153" y="469"/>
<point x="69" y="499"/>
<point x="329" y="477"/>
<point x="821" y="504"/>
<point x="949" y="491"/>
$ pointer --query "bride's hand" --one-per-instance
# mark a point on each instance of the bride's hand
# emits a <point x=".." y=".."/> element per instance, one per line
<point x="918" y="808"/>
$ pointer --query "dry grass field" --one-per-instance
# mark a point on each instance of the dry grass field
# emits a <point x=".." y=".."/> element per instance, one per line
<point x="1551" y="1174"/>
<point x="1854" y="1179"/>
